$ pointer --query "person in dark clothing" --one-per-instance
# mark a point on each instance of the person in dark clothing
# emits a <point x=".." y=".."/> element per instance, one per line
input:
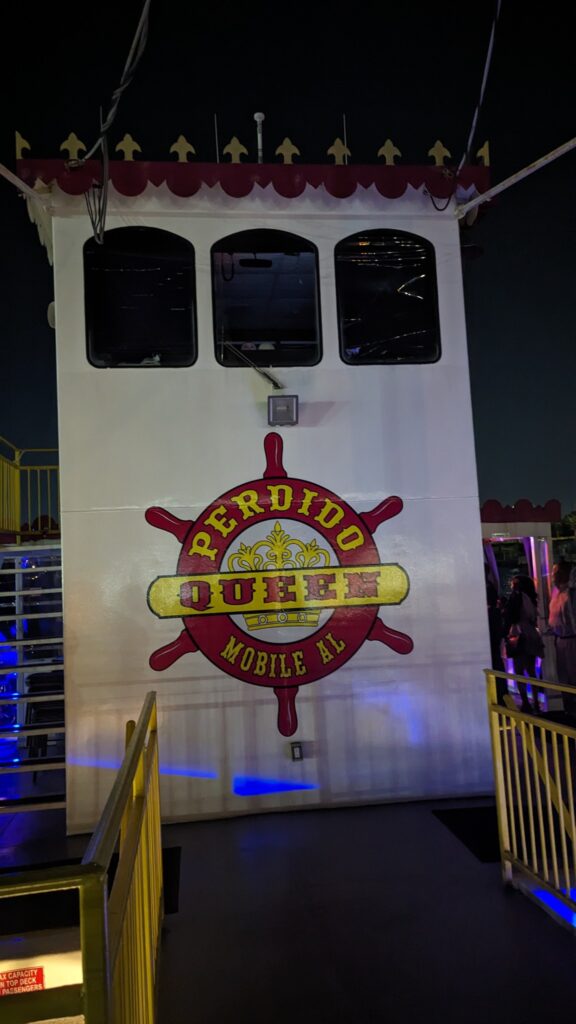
<point x="523" y="640"/>
<point x="496" y="631"/>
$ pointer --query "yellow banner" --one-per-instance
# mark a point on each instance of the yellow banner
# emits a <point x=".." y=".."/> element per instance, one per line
<point x="273" y="590"/>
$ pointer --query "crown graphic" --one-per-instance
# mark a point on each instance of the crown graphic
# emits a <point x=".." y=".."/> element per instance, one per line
<point x="278" y="550"/>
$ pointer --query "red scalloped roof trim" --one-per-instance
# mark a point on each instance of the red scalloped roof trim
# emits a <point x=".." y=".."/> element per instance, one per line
<point x="130" y="178"/>
<point x="523" y="511"/>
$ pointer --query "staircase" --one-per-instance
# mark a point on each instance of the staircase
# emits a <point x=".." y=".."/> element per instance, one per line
<point x="32" y="728"/>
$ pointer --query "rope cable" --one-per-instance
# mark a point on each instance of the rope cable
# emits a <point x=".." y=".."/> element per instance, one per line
<point x="472" y="132"/>
<point x="97" y="196"/>
<point x="487" y="64"/>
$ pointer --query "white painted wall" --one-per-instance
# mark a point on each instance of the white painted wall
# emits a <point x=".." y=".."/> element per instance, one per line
<point x="385" y="727"/>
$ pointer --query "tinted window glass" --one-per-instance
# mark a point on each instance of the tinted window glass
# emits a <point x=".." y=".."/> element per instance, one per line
<point x="387" y="298"/>
<point x="140" y="299"/>
<point x="266" y="305"/>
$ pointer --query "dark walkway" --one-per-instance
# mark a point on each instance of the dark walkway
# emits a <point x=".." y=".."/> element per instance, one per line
<point x="374" y="914"/>
<point x="369" y="914"/>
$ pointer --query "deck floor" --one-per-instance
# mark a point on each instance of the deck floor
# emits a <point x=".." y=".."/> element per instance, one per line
<point x="356" y="915"/>
<point x="367" y="914"/>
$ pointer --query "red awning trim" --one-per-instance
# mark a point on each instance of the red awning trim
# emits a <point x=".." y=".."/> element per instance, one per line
<point x="523" y="511"/>
<point x="130" y="178"/>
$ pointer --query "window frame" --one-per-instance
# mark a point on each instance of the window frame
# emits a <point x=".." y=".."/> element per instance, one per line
<point x="312" y="250"/>
<point x="89" y="302"/>
<point x="431" y="250"/>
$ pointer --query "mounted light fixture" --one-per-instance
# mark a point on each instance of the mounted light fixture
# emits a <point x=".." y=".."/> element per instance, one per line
<point x="282" y="410"/>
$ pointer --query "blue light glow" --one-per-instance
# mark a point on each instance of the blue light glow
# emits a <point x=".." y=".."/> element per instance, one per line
<point x="405" y="709"/>
<point x="8" y="713"/>
<point x="254" y="785"/>
<point x="87" y="762"/>
<point x="555" y="904"/>
<point x="7" y="657"/>
<point x="7" y="748"/>
<point x="190" y="772"/>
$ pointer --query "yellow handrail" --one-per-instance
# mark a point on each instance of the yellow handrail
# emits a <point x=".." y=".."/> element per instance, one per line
<point x="103" y="841"/>
<point x="534" y="774"/>
<point x="10" y="516"/>
<point x="119" y="933"/>
<point x="21" y="451"/>
<point x="29" y="492"/>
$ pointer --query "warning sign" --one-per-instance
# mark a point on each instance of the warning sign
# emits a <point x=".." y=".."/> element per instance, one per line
<point x="21" y="979"/>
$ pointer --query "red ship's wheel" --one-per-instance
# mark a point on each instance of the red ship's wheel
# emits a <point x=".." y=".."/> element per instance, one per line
<point x="326" y="648"/>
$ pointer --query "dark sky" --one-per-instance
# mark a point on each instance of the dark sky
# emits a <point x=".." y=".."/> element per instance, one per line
<point x="410" y="72"/>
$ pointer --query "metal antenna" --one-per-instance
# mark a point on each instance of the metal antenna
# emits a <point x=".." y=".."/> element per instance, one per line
<point x="259" y="118"/>
<point x="345" y="137"/>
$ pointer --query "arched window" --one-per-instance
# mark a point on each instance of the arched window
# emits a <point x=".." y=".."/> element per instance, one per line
<point x="266" y="302"/>
<point x="387" y="298"/>
<point x="139" y="289"/>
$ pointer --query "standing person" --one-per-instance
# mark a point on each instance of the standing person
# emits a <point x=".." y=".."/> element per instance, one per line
<point x="496" y="631"/>
<point x="523" y="639"/>
<point x="562" y="621"/>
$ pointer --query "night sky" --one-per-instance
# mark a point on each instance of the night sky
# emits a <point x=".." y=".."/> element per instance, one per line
<point x="411" y="73"/>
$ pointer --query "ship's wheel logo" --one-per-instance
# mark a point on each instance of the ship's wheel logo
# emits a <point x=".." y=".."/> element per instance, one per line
<point x="279" y="582"/>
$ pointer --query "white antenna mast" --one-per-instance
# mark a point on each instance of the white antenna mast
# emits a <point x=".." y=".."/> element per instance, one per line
<point x="259" y="118"/>
<point x="345" y="134"/>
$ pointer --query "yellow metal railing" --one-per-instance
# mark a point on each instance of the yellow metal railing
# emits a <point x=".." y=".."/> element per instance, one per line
<point x="10" y="520"/>
<point x="119" y="932"/>
<point x="535" y="779"/>
<point x="29" y="491"/>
